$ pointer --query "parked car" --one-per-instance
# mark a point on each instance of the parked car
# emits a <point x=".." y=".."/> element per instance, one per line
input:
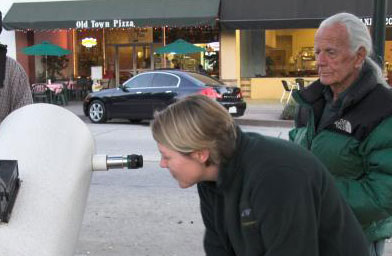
<point x="138" y="98"/>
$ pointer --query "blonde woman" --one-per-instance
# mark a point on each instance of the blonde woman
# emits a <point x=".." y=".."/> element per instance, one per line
<point x="258" y="195"/>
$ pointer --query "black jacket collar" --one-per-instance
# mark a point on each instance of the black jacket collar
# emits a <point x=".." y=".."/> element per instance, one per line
<point x="229" y="169"/>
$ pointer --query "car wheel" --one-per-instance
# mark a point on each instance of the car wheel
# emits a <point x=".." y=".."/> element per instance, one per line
<point x="97" y="112"/>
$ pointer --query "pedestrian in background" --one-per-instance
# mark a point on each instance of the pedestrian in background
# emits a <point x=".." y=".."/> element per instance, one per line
<point x="14" y="85"/>
<point x="345" y="119"/>
<point x="201" y="70"/>
<point x="258" y="195"/>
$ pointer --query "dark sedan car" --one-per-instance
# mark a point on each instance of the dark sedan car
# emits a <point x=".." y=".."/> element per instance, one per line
<point x="140" y="96"/>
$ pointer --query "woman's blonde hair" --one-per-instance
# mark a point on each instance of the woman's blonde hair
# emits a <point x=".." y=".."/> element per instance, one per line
<point x="196" y="123"/>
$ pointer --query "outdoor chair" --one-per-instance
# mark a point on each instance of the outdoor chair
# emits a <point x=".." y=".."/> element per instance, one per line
<point x="59" y="98"/>
<point x="65" y="89"/>
<point x="85" y="85"/>
<point x="74" y="91"/>
<point x="41" y="93"/>
<point x="287" y="91"/>
<point x="300" y="83"/>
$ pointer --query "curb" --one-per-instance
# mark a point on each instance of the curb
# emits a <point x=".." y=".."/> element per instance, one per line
<point x="249" y="122"/>
<point x="266" y="123"/>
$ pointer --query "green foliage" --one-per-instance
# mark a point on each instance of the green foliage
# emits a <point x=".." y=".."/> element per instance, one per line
<point x="54" y="65"/>
<point x="288" y="112"/>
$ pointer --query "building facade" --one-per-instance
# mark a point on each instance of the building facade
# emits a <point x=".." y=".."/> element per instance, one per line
<point x="252" y="44"/>
<point x="265" y="42"/>
<point x="117" y="35"/>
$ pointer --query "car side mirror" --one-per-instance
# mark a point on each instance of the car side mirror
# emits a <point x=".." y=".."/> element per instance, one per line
<point x="123" y="88"/>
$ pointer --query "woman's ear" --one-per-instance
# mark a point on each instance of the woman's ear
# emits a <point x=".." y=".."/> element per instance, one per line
<point x="201" y="155"/>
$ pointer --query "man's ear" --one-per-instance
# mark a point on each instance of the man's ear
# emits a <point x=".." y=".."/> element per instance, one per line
<point x="201" y="155"/>
<point x="361" y="55"/>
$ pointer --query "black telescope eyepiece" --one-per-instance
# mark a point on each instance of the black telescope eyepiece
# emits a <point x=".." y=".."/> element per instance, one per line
<point x="119" y="162"/>
<point x="135" y="161"/>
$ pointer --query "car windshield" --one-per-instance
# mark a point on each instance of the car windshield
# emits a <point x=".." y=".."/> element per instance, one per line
<point x="205" y="79"/>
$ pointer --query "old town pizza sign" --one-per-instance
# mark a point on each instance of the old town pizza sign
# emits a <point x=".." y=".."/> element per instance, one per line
<point x="116" y="23"/>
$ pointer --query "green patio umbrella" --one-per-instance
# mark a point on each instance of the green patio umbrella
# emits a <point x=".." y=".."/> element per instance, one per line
<point x="45" y="49"/>
<point x="179" y="47"/>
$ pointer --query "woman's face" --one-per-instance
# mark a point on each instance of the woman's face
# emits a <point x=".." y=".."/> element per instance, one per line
<point x="186" y="169"/>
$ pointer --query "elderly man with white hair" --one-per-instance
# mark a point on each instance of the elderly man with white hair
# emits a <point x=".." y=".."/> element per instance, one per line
<point x="345" y="119"/>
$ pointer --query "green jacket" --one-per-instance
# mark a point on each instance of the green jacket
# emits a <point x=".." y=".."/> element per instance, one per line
<point x="266" y="201"/>
<point x="355" y="146"/>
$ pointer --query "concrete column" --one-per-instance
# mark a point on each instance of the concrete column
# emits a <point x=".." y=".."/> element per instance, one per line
<point x="252" y="47"/>
<point x="117" y="66"/>
<point x="228" y="56"/>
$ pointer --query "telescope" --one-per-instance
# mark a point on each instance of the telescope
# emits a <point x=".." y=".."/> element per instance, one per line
<point x="47" y="157"/>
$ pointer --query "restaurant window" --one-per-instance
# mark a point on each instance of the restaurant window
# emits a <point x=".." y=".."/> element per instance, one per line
<point x="134" y="51"/>
<point x="205" y="37"/>
<point x="388" y="54"/>
<point x="88" y="54"/>
<point x="290" y="52"/>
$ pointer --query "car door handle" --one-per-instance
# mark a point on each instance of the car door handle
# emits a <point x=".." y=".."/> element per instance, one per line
<point x="168" y="91"/>
<point x="138" y="92"/>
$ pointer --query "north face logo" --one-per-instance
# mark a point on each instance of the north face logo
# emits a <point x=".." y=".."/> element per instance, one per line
<point x="343" y="125"/>
<point x="246" y="212"/>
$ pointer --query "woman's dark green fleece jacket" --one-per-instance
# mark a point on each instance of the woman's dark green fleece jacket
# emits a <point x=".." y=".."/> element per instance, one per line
<point x="274" y="198"/>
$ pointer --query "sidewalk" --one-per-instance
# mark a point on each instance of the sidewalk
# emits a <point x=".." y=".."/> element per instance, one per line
<point x="76" y="107"/>
<point x="264" y="113"/>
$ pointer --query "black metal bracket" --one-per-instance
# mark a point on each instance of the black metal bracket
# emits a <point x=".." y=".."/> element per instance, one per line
<point x="9" y="187"/>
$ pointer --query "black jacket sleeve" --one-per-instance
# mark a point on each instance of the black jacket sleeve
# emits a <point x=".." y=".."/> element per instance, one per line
<point x="213" y="244"/>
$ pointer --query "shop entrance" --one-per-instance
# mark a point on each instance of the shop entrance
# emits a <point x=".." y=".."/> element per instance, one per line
<point x="131" y="59"/>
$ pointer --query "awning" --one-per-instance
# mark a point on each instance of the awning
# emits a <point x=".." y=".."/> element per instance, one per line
<point x="279" y="14"/>
<point x="96" y="14"/>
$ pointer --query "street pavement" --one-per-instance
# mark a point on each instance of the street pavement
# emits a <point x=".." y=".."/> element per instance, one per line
<point x="264" y="113"/>
<point x="144" y="212"/>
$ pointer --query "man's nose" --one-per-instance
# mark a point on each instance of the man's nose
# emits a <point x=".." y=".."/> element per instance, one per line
<point x="320" y="59"/>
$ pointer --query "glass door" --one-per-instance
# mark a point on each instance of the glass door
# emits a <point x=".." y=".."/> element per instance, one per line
<point x="125" y="63"/>
<point x="142" y="58"/>
<point x="132" y="59"/>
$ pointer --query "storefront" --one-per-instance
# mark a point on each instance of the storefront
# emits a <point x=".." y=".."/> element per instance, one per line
<point x="119" y="35"/>
<point x="273" y="41"/>
<point x="257" y="43"/>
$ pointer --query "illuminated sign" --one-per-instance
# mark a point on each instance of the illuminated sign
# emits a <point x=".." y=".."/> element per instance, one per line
<point x="368" y="21"/>
<point x="81" y="24"/>
<point x="89" y="42"/>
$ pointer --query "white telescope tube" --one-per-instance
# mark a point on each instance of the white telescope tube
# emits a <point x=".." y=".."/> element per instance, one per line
<point x="54" y="149"/>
